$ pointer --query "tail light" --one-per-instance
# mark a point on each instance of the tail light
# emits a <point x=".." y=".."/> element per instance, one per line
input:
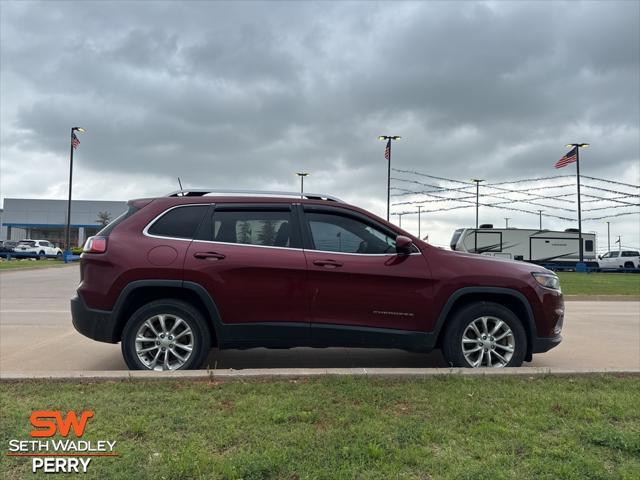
<point x="95" y="245"/>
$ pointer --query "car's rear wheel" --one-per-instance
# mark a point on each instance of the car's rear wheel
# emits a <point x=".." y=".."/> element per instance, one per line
<point x="166" y="335"/>
<point x="41" y="256"/>
<point x="628" y="265"/>
<point x="484" y="334"/>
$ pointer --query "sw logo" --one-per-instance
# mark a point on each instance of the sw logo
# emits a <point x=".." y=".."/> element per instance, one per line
<point x="60" y="455"/>
<point x="42" y="419"/>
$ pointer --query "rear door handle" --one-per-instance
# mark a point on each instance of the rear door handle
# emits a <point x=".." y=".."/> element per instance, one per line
<point x="327" y="263"/>
<point x="209" y="255"/>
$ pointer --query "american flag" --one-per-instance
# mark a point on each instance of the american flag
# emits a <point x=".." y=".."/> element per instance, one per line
<point x="568" y="158"/>
<point x="74" y="141"/>
<point x="387" y="150"/>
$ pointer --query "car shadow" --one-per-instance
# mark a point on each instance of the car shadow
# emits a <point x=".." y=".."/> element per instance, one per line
<point x="322" y="358"/>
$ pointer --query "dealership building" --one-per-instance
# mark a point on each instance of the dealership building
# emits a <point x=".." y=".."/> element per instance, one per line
<point x="40" y="219"/>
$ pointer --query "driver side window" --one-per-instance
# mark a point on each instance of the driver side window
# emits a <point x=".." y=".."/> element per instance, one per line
<point x="338" y="233"/>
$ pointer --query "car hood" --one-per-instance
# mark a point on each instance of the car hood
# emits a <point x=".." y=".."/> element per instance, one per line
<point x="494" y="265"/>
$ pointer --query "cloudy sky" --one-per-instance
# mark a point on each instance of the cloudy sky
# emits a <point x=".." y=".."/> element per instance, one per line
<point x="245" y="94"/>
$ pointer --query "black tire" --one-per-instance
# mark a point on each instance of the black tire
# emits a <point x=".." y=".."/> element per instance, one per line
<point x="59" y="256"/>
<point x="41" y="256"/>
<point x="452" y="341"/>
<point x="629" y="265"/>
<point x="190" y="315"/>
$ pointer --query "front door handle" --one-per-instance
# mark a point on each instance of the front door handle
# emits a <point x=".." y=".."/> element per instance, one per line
<point x="327" y="263"/>
<point x="209" y="255"/>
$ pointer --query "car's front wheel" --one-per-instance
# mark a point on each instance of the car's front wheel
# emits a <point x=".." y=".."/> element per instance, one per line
<point x="166" y="335"/>
<point x="484" y="334"/>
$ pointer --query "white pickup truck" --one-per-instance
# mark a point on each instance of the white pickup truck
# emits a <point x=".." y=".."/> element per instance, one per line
<point x="38" y="248"/>
<point x="619" y="259"/>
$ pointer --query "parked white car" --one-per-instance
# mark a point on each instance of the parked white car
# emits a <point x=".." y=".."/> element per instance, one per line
<point x="619" y="259"/>
<point x="41" y="248"/>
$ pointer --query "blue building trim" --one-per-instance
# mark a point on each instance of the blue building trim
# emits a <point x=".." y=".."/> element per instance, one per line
<point x="51" y="225"/>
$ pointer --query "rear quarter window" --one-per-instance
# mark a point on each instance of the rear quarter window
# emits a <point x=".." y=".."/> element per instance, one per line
<point x="179" y="222"/>
<point x="114" y="223"/>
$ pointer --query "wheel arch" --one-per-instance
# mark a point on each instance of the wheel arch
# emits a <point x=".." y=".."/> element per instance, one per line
<point x="509" y="298"/>
<point x="141" y="292"/>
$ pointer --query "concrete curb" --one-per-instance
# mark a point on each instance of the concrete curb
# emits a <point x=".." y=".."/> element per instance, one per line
<point x="284" y="373"/>
<point x="602" y="298"/>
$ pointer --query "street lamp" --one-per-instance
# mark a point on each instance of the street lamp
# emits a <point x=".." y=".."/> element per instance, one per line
<point x="477" y="180"/>
<point x="387" y="155"/>
<point x="74" y="144"/>
<point x="419" y="211"/>
<point x="302" y="175"/>
<point x="540" y="219"/>
<point x="506" y="221"/>
<point x="578" y="146"/>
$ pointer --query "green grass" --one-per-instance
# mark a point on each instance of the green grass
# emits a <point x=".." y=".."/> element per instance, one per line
<point x="574" y="283"/>
<point x="24" y="263"/>
<point x="344" y="428"/>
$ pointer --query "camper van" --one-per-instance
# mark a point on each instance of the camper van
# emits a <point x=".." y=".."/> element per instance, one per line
<point x="530" y="245"/>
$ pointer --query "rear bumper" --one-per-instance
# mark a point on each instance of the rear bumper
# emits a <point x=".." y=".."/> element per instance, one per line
<point x="96" y="324"/>
<point x="543" y="344"/>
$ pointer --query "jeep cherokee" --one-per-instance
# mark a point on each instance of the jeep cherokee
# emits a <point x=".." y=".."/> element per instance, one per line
<point x="174" y="276"/>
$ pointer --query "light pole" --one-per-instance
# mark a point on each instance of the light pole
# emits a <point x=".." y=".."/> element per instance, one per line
<point x="387" y="155"/>
<point x="477" y="180"/>
<point x="74" y="144"/>
<point x="506" y="221"/>
<point x="400" y="219"/>
<point x="302" y="175"/>
<point x="540" y="219"/>
<point x="608" y="237"/>
<point x="419" y="211"/>
<point x="578" y="146"/>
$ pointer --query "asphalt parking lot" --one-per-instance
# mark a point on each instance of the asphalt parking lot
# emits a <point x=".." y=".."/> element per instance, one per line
<point x="36" y="335"/>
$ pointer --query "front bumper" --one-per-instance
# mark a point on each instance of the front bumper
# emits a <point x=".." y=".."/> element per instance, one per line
<point x="96" y="324"/>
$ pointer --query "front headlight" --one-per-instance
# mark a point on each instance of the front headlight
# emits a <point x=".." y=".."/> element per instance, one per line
<point x="547" y="280"/>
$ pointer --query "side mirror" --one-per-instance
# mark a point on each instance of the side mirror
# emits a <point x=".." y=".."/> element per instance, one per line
<point x="600" y="257"/>
<point x="403" y="245"/>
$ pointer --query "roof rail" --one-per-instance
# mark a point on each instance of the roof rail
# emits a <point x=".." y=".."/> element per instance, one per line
<point x="200" y="192"/>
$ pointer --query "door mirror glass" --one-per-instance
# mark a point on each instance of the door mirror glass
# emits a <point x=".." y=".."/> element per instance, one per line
<point x="403" y="244"/>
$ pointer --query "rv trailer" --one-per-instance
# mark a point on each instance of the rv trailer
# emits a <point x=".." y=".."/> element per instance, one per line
<point x="543" y="247"/>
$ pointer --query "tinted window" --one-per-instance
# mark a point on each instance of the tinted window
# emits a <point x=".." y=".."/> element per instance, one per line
<point x="249" y="227"/>
<point x="337" y="233"/>
<point x="588" y="245"/>
<point x="455" y="238"/>
<point x="630" y="254"/>
<point x="614" y="254"/>
<point x="180" y="222"/>
<point x="111" y="225"/>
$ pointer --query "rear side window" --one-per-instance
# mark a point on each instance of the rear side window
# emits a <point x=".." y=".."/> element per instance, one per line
<point x="179" y="222"/>
<point x="114" y="223"/>
<point x="588" y="245"/>
<point x="253" y="227"/>
<point x="630" y="254"/>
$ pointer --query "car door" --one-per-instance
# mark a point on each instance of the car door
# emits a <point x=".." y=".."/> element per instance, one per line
<point x="249" y="259"/>
<point x="613" y="260"/>
<point x="357" y="282"/>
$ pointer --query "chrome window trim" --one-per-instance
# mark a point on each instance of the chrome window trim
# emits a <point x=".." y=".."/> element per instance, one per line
<point x="305" y="249"/>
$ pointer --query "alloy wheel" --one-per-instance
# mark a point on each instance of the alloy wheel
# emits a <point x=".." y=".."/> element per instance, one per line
<point x="164" y="342"/>
<point x="488" y="342"/>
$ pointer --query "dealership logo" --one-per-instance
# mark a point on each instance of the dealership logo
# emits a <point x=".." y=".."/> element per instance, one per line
<point x="68" y="454"/>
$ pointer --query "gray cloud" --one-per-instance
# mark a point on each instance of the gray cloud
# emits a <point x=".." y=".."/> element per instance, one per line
<point x="244" y="94"/>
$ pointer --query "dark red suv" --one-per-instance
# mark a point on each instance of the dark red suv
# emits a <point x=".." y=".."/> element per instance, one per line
<point x="174" y="276"/>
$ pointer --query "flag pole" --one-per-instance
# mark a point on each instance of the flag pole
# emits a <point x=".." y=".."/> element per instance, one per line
<point x="67" y="234"/>
<point x="581" y="249"/>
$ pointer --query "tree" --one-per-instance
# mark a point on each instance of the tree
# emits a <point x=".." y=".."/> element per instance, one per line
<point x="103" y="218"/>
<point x="267" y="234"/>
<point x="244" y="232"/>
